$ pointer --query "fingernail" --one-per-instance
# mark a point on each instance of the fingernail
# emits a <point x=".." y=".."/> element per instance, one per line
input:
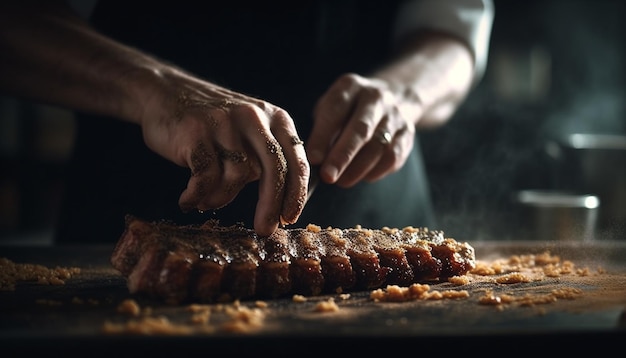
<point x="331" y="173"/>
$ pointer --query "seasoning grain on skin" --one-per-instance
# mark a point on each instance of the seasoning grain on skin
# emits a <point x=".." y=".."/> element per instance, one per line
<point x="230" y="155"/>
<point x="234" y="186"/>
<point x="186" y="103"/>
<point x="201" y="159"/>
<point x="274" y="148"/>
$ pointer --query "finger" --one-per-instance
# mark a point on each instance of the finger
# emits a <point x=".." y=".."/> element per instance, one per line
<point x="358" y="131"/>
<point x="368" y="156"/>
<point x="205" y="173"/>
<point x="273" y="166"/>
<point x="366" y="160"/>
<point x="298" y="169"/>
<point x="237" y="171"/>
<point x="238" y="168"/>
<point x="394" y="157"/>
<point x="331" y="112"/>
<point x="199" y="187"/>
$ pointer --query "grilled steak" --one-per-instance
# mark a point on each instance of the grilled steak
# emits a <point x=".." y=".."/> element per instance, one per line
<point x="209" y="262"/>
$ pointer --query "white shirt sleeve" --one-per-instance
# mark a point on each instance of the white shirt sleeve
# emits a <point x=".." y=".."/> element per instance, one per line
<point x="469" y="20"/>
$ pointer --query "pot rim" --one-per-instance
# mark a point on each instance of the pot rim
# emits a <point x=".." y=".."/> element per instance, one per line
<point x="556" y="198"/>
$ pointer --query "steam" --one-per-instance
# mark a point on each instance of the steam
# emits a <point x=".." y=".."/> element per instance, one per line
<point x="496" y="144"/>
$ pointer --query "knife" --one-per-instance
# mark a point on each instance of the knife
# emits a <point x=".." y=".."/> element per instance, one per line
<point x="314" y="179"/>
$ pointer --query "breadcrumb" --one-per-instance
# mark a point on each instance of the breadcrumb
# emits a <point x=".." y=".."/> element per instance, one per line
<point x="12" y="273"/>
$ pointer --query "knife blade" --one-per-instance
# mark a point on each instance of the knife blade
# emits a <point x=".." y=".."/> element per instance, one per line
<point x="314" y="179"/>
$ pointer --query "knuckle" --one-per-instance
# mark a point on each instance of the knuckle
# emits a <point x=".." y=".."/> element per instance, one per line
<point x="362" y="129"/>
<point x="237" y="174"/>
<point x="282" y="114"/>
<point x="348" y="79"/>
<point x="374" y="94"/>
<point x="281" y="119"/>
<point x="339" y="102"/>
<point x="263" y="106"/>
<point x="247" y="110"/>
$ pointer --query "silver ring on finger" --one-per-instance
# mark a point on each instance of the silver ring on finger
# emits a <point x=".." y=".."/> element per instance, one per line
<point x="295" y="140"/>
<point x="383" y="137"/>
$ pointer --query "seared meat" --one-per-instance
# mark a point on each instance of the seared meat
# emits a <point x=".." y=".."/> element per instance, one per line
<point x="209" y="262"/>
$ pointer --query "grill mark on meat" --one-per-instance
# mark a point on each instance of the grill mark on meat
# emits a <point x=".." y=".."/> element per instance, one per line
<point x="209" y="262"/>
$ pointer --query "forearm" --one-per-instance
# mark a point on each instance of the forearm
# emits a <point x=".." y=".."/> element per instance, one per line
<point x="49" y="54"/>
<point x="430" y="78"/>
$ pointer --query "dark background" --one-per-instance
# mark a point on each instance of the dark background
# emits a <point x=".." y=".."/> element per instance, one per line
<point x="555" y="67"/>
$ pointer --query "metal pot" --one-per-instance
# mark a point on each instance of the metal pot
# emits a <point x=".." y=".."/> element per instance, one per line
<point x="556" y="215"/>
<point x="595" y="163"/>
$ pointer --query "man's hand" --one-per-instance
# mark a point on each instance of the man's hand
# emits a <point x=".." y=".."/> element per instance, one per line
<point x="228" y="140"/>
<point x="365" y="126"/>
<point x="361" y="131"/>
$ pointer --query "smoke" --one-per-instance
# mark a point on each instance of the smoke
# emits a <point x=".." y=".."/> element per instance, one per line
<point x="589" y="72"/>
<point x="495" y="144"/>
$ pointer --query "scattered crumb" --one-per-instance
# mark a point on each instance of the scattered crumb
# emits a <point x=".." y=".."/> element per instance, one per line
<point x="147" y="326"/>
<point x="454" y="294"/>
<point x="239" y="319"/>
<point x="527" y="268"/>
<point x="490" y="298"/>
<point x="313" y="228"/>
<point x="261" y="304"/>
<point x="459" y="280"/>
<point x="129" y="307"/>
<point x="513" y="277"/>
<point x="513" y="270"/>
<point x="12" y="273"/>
<point x="243" y="319"/>
<point x="568" y="293"/>
<point x="416" y="291"/>
<point x="326" y="306"/>
<point x="201" y="317"/>
<point x="198" y="307"/>
<point x="298" y="298"/>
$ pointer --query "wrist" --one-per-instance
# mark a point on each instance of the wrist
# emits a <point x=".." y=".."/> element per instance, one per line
<point x="145" y="87"/>
<point x="410" y="104"/>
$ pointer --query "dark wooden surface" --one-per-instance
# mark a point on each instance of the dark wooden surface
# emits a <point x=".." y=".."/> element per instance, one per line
<point x="35" y="316"/>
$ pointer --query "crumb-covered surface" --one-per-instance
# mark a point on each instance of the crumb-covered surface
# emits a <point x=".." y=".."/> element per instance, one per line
<point x="515" y="288"/>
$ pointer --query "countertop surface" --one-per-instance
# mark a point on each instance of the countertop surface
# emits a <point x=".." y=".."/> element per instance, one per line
<point x="84" y="310"/>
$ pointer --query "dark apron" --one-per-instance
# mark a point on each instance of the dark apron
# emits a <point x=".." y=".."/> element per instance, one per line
<point x="287" y="55"/>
